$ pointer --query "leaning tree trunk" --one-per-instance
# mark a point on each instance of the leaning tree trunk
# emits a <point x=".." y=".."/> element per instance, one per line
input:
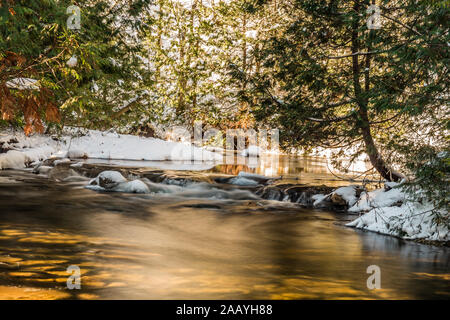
<point x="374" y="155"/>
<point x="364" y="124"/>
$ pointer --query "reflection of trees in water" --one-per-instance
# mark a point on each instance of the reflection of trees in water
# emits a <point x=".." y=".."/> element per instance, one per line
<point x="422" y="256"/>
<point x="233" y="169"/>
<point x="275" y="166"/>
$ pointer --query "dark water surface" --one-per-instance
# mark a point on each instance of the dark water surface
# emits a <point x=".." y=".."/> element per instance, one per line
<point x="184" y="246"/>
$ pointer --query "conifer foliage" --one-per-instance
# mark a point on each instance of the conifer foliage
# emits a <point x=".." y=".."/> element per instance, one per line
<point x="60" y="66"/>
<point x="334" y="77"/>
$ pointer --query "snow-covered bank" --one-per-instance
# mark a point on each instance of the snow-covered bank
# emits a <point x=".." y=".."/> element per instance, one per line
<point x="22" y="150"/>
<point x="391" y="211"/>
<point x="102" y="145"/>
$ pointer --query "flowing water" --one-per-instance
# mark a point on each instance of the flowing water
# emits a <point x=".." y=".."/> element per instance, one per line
<point x="198" y="242"/>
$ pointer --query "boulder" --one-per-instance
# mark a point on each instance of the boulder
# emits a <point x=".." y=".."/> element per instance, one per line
<point x="108" y="179"/>
<point x="338" y="200"/>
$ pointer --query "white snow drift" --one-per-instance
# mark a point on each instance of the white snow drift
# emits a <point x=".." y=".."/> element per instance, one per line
<point x="95" y="144"/>
<point x="392" y="211"/>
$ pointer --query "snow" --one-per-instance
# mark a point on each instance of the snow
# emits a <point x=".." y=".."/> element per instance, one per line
<point x="378" y="198"/>
<point x="77" y="165"/>
<point x="40" y="169"/>
<point x="65" y="160"/>
<point x="389" y="185"/>
<point x="348" y="194"/>
<point x="102" y="145"/>
<point x="76" y="154"/>
<point x="99" y="145"/>
<point x="25" y="151"/>
<point x="253" y="34"/>
<point x="135" y="186"/>
<point x="114" y="181"/>
<point x="187" y="165"/>
<point x="242" y="181"/>
<point x="23" y="84"/>
<point x="72" y="62"/>
<point x="106" y="178"/>
<point x="318" y="198"/>
<point x="393" y="212"/>
<point x="13" y="159"/>
<point x="95" y="86"/>
<point x="411" y="220"/>
<point x="390" y="210"/>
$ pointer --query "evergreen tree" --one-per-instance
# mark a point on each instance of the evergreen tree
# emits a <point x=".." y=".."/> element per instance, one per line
<point x="76" y="69"/>
<point x="330" y="80"/>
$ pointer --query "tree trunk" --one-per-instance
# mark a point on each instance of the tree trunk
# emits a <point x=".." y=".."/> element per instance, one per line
<point x="374" y="155"/>
<point x="364" y="124"/>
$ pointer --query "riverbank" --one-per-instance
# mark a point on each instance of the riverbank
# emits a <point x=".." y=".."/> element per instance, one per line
<point x="19" y="151"/>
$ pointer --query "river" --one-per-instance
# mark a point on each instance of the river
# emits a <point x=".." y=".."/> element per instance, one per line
<point x="198" y="243"/>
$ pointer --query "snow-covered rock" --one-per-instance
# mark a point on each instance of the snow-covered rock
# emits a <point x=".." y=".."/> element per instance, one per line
<point x="41" y="169"/>
<point x="135" y="186"/>
<point x="76" y="154"/>
<point x="388" y="185"/>
<point x="242" y="181"/>
<point x="348" y="194"/>
<point x="77" y="165"/>
<point x="64" y="160"/>
<point x="248" y="179"/>
<point x="343" y="196"/>
<point x="318" y="198"/>
<point x="115" y="181"/>
<point x="108" y="179"/>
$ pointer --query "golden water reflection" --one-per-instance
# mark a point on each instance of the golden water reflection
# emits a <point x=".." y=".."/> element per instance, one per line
<point x="132" y="247"/>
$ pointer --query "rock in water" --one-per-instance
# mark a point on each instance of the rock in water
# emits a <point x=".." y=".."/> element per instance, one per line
<point x="338" y="200"/>
<point x="114" y="181"/>
<point x="108" y="179"/>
